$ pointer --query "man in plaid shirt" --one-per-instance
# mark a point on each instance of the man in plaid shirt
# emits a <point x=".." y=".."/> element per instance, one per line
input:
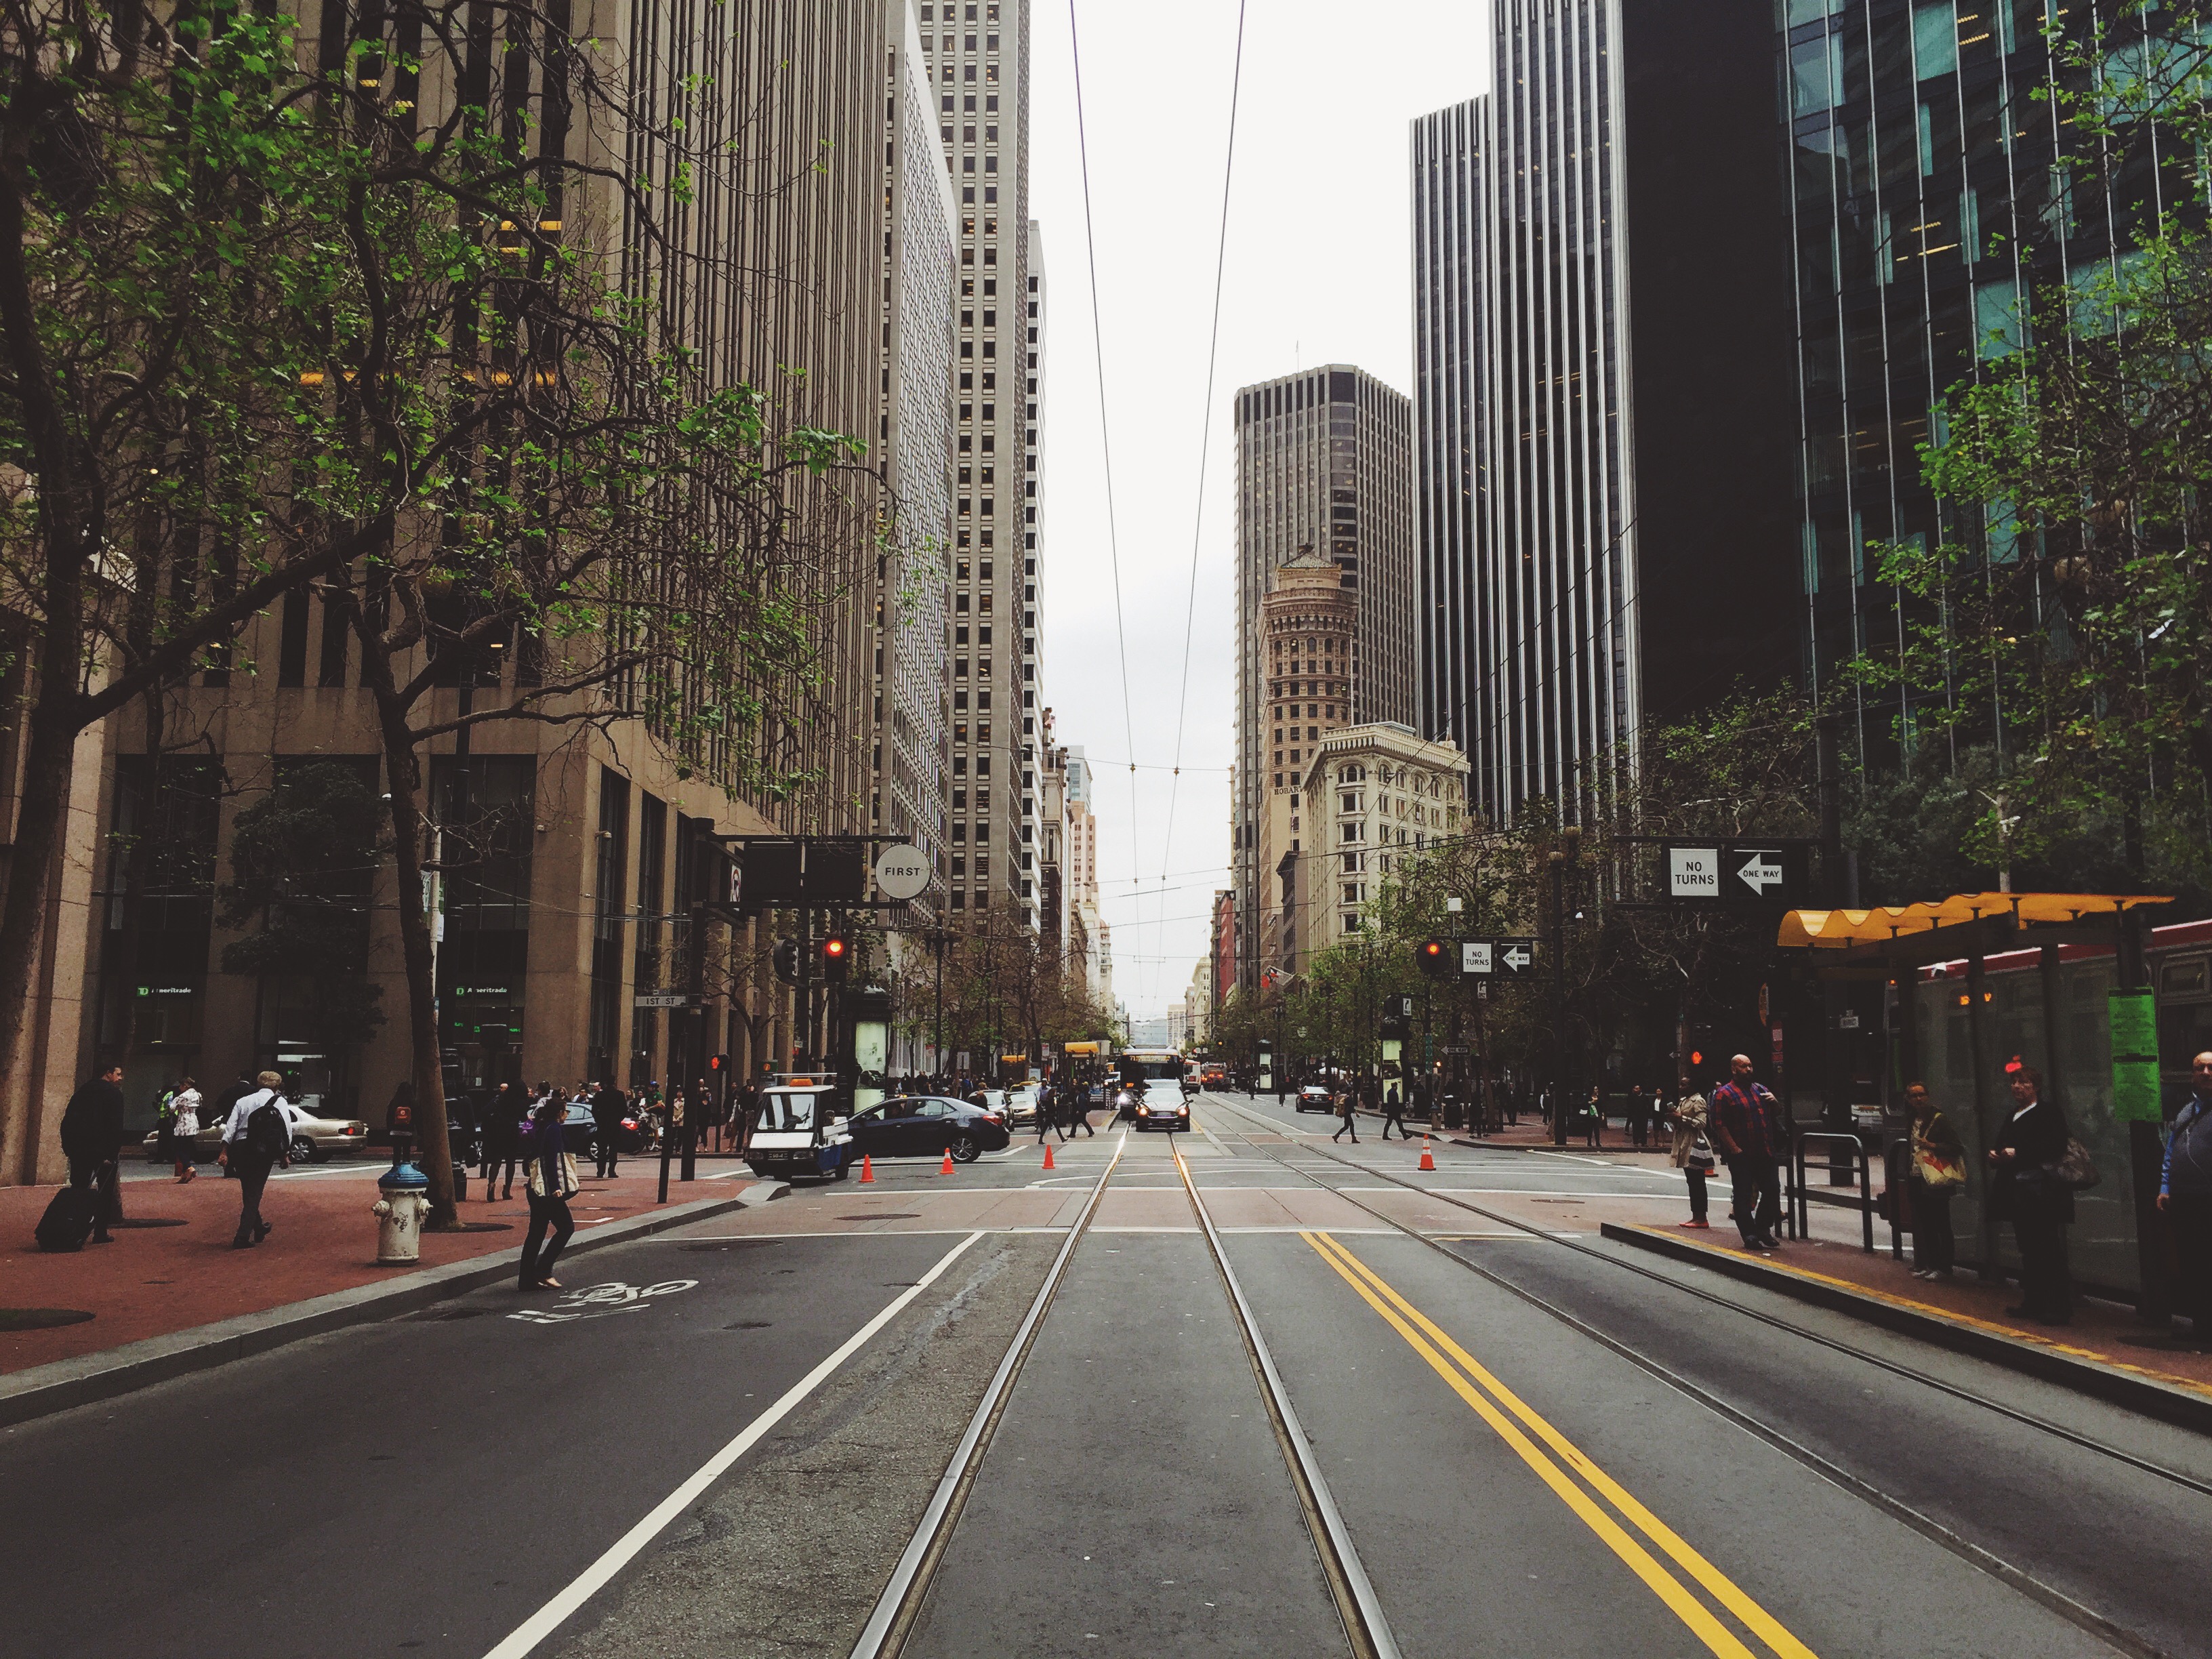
<point x="1746" y="1122"/>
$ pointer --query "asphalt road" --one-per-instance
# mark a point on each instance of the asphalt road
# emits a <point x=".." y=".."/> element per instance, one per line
<point x="732" y="1464"/>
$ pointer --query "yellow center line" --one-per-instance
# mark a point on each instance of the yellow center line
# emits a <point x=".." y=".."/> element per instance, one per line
<point x="1426" y="1340"/>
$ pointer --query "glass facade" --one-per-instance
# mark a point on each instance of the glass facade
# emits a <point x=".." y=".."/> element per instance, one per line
<point x="1934" y="187"/>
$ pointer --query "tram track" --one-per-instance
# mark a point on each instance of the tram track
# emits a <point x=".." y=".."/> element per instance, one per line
<point x="2016" y="1577"/>
<point x="897" y="1611"/>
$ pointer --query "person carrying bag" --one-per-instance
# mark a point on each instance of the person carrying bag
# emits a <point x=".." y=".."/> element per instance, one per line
<point x="1939" y="1171"/>
<point x="1692" y="1153"/>
<point x="550" y="1179"/>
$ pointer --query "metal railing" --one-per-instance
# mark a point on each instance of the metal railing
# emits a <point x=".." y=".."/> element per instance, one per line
<point x="1801" y="1219"/>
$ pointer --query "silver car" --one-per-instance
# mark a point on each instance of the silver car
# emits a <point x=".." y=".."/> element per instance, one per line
<point x="313" y="1137"/>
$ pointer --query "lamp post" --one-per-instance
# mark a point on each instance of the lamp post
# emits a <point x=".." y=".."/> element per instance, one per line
<point x="1565" y="865"/>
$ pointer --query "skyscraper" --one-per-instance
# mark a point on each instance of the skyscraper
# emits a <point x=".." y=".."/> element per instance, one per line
<point x="1600" y="344"/>
<point x="1323" y="478"/>
<point x="978" y="54"/>
<point x="1931" y="191"/>
<point x="912" y="616"/>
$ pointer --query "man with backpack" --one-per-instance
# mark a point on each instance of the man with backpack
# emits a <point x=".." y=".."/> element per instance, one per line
<point x="256" y="1138"/>
<point x="92" y="1138"/>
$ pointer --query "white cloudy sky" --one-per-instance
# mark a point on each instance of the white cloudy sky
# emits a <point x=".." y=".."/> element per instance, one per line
<point x="1317" y="272"/>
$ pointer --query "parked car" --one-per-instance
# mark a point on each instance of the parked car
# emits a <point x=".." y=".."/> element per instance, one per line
<point x="927" y="1125"/>
<point x="312" y="1137"/>
<point x="1316" y="1097"/>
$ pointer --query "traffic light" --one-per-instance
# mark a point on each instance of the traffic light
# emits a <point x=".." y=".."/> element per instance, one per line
<point x="787" y="961"/>
<point x="1432" y="957"/>
<point x="718" y="1066"/>
<point x="836" y="956"/>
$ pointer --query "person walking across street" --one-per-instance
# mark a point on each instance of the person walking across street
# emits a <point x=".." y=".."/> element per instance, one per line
<point x="184" y="1125"/>
<point x="1079" y="1111"/>
<point x="1393" y="1112"/>
<point x="92" y="1139"/>
<point x="2185" y="1198"/>
<point x="608" y="1104"/>
<point x="257" y="1138"/>
<point x="1939" y="1171"/>
<point x="550" y="1180"/>
<point x="1747" y="1122"/>
<point x="1693" y="1152"/>
<point x="1048" y="1109"/>
<point x="2023" y="1191"/>
<point x="1347" y="1108"/>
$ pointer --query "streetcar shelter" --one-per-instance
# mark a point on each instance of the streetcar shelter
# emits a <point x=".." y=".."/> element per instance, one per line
<point x="1950" y="992"/>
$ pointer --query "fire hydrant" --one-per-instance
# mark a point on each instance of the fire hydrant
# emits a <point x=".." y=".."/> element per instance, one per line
<point x="403" y="1198"/>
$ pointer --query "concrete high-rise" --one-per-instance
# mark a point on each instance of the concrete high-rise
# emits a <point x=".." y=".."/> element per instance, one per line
<point x="1602" y="344"/>
<point x="978" y="55"/>
<point x="913" y="613"/>
<point x="1324" y="480"/>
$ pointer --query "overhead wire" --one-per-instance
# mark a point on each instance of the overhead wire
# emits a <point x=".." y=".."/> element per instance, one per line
<point x="1205" y="443"/>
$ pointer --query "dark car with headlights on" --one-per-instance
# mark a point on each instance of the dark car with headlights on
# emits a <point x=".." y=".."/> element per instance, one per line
<point x="1157" y="1103"/>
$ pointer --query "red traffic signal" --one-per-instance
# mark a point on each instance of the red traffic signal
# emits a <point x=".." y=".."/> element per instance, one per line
<point x="1430" y="956"/>
<point x="836" y="955"/>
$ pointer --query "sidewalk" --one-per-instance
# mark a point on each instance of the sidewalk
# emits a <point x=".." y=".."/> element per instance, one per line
<point x="158" y="1281"/>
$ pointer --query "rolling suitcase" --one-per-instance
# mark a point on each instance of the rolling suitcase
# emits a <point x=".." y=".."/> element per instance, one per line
<point x="68" y="1220"/>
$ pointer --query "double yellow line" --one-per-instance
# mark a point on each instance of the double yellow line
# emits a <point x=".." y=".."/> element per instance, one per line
<point x="1522" y="1429"/>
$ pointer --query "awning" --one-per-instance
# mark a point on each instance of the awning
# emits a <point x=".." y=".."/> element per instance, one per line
<point x="1837" y="929"/>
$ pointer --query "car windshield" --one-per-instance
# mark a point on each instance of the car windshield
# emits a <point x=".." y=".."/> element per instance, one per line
<point x="783" y="1109"/>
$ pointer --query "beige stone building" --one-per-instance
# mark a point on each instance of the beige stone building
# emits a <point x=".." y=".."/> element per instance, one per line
<point x="1377" y="795"/>
<point x="1309" y="629"/>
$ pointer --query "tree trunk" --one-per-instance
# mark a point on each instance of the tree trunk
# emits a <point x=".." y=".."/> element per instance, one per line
<point x="403" y="771"/>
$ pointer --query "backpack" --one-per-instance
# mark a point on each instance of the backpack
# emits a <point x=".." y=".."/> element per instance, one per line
<point x="267" y="1134"/>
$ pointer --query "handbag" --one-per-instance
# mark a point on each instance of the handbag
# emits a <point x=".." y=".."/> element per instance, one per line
<point x="1701" y="1157"/>
<point x="1936" y="1171"/>
<point x="2076" y="1171"/>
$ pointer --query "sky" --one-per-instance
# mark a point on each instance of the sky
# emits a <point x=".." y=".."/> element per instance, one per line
<point x="1316" y="270"/>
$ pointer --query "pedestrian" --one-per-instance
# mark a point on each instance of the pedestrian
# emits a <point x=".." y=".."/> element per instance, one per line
<point x="1078" y="1114"/>
<point x="2022" y="1190"/>
<point x="1939" y="1171"/>
<point x="1746" y="1122"/>
<point x="92" y="1139"/>
<point x="184" y="1125"/>
<point x="2185" y="1198"/>
<point x="1346" y="1110"/>
<point x="502" y="1136"/>
<point x="1640" y="1101"/>
<point x="1595" y="1123"/>
<point x="1692" y="1153"/>
<point x="256" y="1138"/>
<point x="608" y="1104"/>
<point x="549" y="1181"/>
<point x="1048" y="1106"/>
<point x="1393" y="1112"/>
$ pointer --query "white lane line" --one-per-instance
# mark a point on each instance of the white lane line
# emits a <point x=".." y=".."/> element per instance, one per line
<point x="887" y="1232"/>
<point x="548" y="1618"/>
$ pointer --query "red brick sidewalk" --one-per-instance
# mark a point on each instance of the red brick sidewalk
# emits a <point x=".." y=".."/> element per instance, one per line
<point x="154" y="1281"/>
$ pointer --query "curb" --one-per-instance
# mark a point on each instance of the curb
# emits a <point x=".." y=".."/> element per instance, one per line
<point x="42" y="1390"/>
<point x="2107" y="1383"/>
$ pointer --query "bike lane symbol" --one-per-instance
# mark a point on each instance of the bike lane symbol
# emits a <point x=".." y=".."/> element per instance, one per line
<point x="599" y="1301"/>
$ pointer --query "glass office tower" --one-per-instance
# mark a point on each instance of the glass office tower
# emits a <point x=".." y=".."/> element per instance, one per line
<point x="1934" y="187"/>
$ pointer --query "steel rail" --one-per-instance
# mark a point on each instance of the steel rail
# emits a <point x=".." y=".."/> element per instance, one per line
<point x="1973" y="1554"/>
<point x="1364" y="1625"/>
<point x="899" y="1607"/>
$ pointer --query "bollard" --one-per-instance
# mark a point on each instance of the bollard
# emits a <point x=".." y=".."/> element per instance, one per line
<point x="403" y="1199"/>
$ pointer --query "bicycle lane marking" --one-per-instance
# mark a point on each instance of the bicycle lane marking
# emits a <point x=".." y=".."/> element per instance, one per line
<point x="527" y="1636"/>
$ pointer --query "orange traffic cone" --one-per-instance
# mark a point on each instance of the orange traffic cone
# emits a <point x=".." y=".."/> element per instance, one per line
<point x="945" y="1168"/>
<point x="867" y="1168"/>
<point x="1428" y="1158"/>
<point x="1047" y="1155"/>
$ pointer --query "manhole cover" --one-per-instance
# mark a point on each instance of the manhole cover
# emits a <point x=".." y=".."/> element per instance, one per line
<point x="750" y="1325"/>
<point x="151" y="1221"/>
<point x="40" y="1319"/>
<point x="884" y="1215"/>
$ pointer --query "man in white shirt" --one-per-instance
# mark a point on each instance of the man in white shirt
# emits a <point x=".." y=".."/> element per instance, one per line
<point x="252" y="1161"/>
